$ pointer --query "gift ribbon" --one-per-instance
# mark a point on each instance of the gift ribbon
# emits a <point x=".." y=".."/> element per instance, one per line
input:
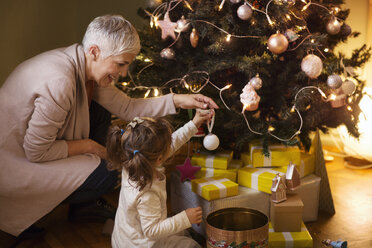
<point x="267" y="160"/>
<point x="209" y="161"/>
<point x="288" y="238"/>
<point x="255" y="175"/>
<point x="216" y="182"/>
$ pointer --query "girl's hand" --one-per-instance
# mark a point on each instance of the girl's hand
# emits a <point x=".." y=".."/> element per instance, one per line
<point x="202" y="116"/>
<point x="194" y="215"/>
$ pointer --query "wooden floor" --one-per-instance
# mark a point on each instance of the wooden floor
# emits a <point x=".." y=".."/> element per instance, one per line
<point x="352" y="195"/>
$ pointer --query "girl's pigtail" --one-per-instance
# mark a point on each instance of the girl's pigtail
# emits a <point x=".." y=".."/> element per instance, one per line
<point x="114" y="146"/>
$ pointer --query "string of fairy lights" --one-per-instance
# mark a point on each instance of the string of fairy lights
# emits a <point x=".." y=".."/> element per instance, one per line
<point x="311" y="64"/>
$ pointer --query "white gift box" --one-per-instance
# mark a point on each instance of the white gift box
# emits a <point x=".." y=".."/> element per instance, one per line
<point x="182" y="198"/>
<point x="309" y="193"/>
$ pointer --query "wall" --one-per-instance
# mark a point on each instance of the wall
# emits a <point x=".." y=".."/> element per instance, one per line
<point x="29" y="27"/>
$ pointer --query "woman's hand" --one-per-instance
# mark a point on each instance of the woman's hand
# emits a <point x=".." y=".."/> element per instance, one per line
<point x="194" y="215"/>
<point x="191" y="101"/>
<point x="76" y="147"/>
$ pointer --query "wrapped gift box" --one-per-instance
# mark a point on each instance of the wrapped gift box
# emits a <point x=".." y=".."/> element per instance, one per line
<point x="211" y="188"/>
<point x="307" y="164"/>
<point x="259" y="178"/>
<point x="309" y="193"/>
<point x="301" y="239"/>
<point x="182" y="197"/>
<point x="220" y="160"/>
<point x="280" y="155"/>
<point x="210" y="172"/>
<point x="286" y="216"/>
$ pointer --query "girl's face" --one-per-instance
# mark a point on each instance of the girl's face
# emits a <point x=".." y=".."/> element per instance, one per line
<point x="107" y="70"/>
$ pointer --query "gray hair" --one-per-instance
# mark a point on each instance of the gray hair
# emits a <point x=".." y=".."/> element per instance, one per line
<point x="113" y="35"/>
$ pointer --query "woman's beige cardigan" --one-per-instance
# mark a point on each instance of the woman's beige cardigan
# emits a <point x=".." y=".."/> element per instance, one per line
<point x="43" y="103"/>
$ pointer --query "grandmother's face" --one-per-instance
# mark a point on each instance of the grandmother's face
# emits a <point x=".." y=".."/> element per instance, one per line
<point x="109" y="69"/>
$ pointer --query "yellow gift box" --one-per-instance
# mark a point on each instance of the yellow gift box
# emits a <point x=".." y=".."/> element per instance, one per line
<point x="301" y="239"/>
<point x="259" y="178"/>
<point x="212" y="188"/>
<point x="280" y="155"/>
<point x="307" y="164"/>
<point x="219" y="160"/>
<point x="210" y="172"/>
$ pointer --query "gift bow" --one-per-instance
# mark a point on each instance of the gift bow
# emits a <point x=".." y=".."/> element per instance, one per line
<point x="135" y="121"/>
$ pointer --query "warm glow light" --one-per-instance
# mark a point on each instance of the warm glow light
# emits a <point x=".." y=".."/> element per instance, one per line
<point x="271" y="128"/>
<point x="187" y="86"/>
<point x="188" y="5"/>
<point x="312" y="41"/>
<point x="326" y="50"/>
<point x="147" y="93"/>
<point x="147" y="60"/>
<point x="332" y="97"/>
<point x="226" y="87"/>
<point x="288" y="16"/>
<point x="156" y="21"/>
<point x="156" y="92"/>
<point x="228" y="37"/>
<point x="293" y="109"/>
<point x="124" y="83"/>
<point x="221" y="5"/>
<point x="151" y="23"/>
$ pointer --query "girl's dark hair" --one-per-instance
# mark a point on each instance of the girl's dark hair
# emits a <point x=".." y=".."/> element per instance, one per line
<point x="151" y="138"/>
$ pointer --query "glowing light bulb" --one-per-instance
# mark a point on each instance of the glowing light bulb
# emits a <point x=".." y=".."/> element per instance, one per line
<point x="147" y="93"/>
<point x="332" y="97"/>
<point x="147" y="60"/>
<point x="326" y="50"/>
<point x="228" y="37"/>
<point x="271" y="128"/>
<point x="288" y="16"/>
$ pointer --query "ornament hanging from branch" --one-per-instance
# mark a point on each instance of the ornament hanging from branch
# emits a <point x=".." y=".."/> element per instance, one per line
<point x="348" y="87"/>
<point x="334" y="81"/>
<point x="249" y="98"/>
<point x="277" y="43"/>
<point x="182" y="25"/>
<point x="256" y="82"/>
<point x="312" y="65"/>
<point x="244" y="12"/>
<point x="167" y="27"/>
<point x="167" y="53"/>
<point x="333" y="26"/>
<point x="194" y="38"/>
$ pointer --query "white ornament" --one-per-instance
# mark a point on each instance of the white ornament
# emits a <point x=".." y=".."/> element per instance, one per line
<point x="235" y="1"/>
<point x="256" y="82"/>
<point x="348" y="87"/>
<point x="333" y="26"/>
<point x="211" y="141"/>
<point x="291" y="35"/>
<point x="167" y="53"/>
<point x="312" y="65"/>
<point x="277" y="43"/>
<point x="334" y="81"/>
<point x="249" y="98"/>
<point x="244" y="12"/>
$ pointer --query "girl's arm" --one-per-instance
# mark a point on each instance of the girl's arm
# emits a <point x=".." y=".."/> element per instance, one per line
<point x="153" y="225"/>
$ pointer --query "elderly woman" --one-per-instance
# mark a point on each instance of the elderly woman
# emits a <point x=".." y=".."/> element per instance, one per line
<point x="51" y="106"/>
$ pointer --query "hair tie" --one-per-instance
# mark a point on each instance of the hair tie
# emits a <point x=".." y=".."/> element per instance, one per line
<point x="122" y="131"/>
<point x="135" y="151"/>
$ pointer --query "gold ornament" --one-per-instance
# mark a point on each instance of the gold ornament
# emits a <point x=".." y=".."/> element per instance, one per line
<point x="277" y="43"/>
<point x="194" y="38"/>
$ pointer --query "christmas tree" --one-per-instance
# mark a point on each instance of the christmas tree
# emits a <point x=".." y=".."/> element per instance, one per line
<point x="269" y="64"/>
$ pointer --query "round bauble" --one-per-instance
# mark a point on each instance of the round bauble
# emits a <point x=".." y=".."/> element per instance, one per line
<point x="256" y="82"/>
<point x="334" y="81"/>
<point x="234" y="1"/>
<point x="289" y="2"/>
<point x="348" y="87"/>
<point x="345" y="30"/>
<point x="167" y="53"/>
<point x="333" y="26"/>
<point x="277" y="43"/>
<point x="291" y="35"/>
<point x="194" y="38"/>
<point x="182" y="25"/>
<point x="312" y="65"/>
<point x="211" y="142"/>
<point x="244" y="12"/>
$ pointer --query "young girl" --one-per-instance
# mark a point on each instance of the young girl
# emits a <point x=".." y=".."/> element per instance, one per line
<point x="141" y="149"/>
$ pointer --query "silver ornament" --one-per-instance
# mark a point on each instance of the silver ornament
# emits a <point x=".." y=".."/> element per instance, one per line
<point x="334" y="81"/>
<point x="348" y="87"/>
<point x="182" y="25"/>
<point x="244" y="12"/>
<point x="312" y="65"/>
<point x="256" y="82"/>
<point x="277" y="43"/>
<point x="333" y="26"/>
<point x="235" y="1"/>
<point x="167" y="53"/>
<point x="289" y="2"/>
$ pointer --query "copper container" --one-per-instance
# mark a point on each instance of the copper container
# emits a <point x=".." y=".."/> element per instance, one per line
<point x="237" y="227"/>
